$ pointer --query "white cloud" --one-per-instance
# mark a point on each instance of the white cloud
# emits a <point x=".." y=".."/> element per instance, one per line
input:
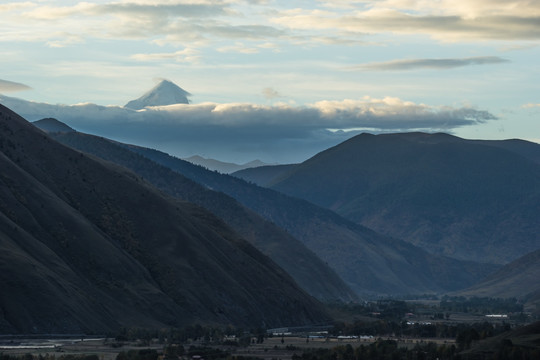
<point x="443" y="20"/>
<point x="186" y="55"/>
<point x="238" y="48"/>
<point x="16" y="6"/>
<point x="530" y="106"/>
<point x="65" y="40"/>
<point x="319" y="23"/>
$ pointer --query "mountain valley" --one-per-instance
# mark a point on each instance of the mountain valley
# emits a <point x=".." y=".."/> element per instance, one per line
<point x="368" y="262"/>
<point x="154" y="241"/>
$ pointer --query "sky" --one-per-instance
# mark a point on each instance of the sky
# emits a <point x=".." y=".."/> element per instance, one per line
<point x="277" y="80"/>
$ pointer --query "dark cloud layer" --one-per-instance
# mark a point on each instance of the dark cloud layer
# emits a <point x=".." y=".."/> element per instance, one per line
<point x="242" y="132"/>
<point x="441" y="64"/>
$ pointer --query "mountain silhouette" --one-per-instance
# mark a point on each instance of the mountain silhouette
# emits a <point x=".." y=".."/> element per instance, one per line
<point x="87" y="246"/>
<point x="370" y="263"/>
<point x="473" y="200"/>
<point x="310" y="272"/>
<point x="51" y="125"/>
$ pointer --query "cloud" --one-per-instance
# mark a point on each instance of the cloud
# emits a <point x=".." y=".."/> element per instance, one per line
<point x="186" y="55"/>
<point x="319" y="23"/>
<point x="441" y="64"/>
<point x="15" y="6"/>
<point x="530" y="106"/>
<point x="270" y="93"/>
<point x="180" y="21"/>
<point x="129" y="9"/>
<point x="66" y="39"/>
<point x="238" y="48"/>
<point x="10" y="86"/>
<point x="443" y="20"/>
<point x="243" y="131"/>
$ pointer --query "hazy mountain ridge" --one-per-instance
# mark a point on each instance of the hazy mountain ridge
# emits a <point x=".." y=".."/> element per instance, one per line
<point x="264" y="175"/>
<point x="87" y="246"/>
<point x="221" y="166"/>
<point x="308" y="270"/>
<point x="52" y="125"/>
<point x="368" y="262"/>
<point x="451" y="196"/>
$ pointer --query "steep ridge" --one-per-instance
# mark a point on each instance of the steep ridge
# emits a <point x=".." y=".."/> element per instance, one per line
<point x="311" y="273"/>
<point x="87" y="246"/>
<point x="369" y="262"/>
<point x="454" y="197"/>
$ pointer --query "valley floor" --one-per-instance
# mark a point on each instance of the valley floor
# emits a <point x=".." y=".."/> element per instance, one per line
<point x="272" y="348"/>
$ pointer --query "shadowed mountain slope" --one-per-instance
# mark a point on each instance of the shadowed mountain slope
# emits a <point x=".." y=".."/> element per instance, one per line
<point x="87" y="246"/>
<point x="519" y="343"/>
<point x="310" y="272"/>
<point x="464" y="199"/>
<point x="518" y="279"/>
<point x="263" y="175"/>
<point x="527" y="149"/>
<point x="368" y="262"/>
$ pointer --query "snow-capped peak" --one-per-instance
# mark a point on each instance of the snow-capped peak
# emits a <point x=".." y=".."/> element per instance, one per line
<point x="164" y="93"/>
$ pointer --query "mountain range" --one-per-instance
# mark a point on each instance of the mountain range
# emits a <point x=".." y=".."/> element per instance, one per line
<point x="87" y="246"/>
<point x="368" y="262"/>
<point x="302" y="264"/>
<point x="471" y="200"/>
<point x="105" y="234"/>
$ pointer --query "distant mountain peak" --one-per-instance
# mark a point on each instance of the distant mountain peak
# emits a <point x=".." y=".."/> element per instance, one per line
<point x="52" y="125"/>
<point x="164" y="93"/>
